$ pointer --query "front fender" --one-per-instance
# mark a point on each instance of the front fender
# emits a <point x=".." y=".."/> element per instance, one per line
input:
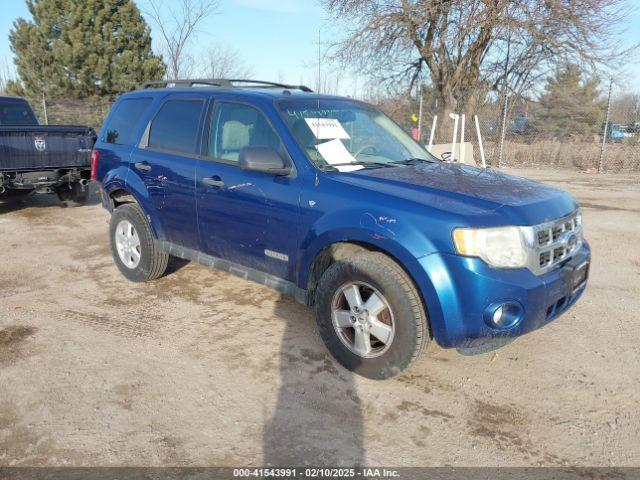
<point x="375" y="227"/>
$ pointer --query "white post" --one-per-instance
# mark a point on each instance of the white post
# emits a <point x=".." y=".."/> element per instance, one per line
<point x="484" y="162"/>
<point x="44" y="109"/>
<point x="463" y="119"/>
<point x="420" y="118"/>
<point x="433" y="132"/>
<point x="455" y="118"/>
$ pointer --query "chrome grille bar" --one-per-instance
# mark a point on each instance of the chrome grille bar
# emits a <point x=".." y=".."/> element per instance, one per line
<point x="553" y="242"/>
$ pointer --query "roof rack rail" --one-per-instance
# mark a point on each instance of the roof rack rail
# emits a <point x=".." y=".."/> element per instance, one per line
<point x="221" y="83"/>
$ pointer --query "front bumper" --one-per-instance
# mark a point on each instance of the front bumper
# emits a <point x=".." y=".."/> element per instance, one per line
<point x="458" y="291"/>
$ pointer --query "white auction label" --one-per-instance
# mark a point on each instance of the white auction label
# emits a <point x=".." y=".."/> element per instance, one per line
<point x="335" y="153"/>
<point x="326" y="128"/>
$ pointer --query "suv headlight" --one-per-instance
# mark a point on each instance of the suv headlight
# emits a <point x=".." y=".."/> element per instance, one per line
<point x="502" y="247"/>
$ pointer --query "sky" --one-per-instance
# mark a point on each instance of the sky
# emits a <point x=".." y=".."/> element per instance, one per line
<point x="278" y="39"/>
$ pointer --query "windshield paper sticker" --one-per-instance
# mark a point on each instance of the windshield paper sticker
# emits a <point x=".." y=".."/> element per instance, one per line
<point x="326" y="128"/>
<point x="334" y="152"/>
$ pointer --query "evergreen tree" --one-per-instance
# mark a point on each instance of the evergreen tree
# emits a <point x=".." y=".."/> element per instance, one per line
<point x="82" y="48"/>
<point x="570" y="105"/>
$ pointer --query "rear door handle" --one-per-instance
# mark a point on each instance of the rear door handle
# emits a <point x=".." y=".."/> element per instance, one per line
<point x="213" y="181"/>
<point x="144" y="166"/>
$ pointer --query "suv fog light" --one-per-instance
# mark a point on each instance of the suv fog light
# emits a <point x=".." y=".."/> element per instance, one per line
<point x="503" y="315"/>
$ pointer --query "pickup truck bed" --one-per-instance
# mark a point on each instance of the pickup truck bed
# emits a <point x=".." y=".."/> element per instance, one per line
<point x="28" y="148"/>
<point x="42" y="159"/>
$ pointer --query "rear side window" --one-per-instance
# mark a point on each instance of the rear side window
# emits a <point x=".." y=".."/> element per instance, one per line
<point x="122" y="122"/>
<point x="16" y="114"/>
<point x="175" y="126"/>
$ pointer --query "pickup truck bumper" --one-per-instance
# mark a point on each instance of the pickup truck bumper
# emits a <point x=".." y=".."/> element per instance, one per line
<point x="462" y="294"/>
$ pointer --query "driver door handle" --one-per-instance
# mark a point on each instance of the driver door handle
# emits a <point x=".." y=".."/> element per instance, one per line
<point x="144" y="166"/>
<point x="213" y="181"/>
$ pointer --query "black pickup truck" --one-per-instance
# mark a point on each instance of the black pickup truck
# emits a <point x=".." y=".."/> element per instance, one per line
<point x="42" y="159"/>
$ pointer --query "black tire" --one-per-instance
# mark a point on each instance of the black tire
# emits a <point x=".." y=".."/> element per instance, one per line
<point x="153" y="262"/>
<point x="409" y="316"/>
<point x="73" y="195"/>
<point x="11" y="194"/>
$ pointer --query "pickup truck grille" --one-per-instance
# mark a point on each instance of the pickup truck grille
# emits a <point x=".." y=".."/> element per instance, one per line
<point x="556" y="241"/>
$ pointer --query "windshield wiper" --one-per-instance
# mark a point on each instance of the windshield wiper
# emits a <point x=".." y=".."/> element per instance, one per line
<point x="364" y="163"/>
<point x="411" y="161"/>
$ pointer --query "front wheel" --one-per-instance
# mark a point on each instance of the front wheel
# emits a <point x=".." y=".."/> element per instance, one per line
<point x="370" y="315"/>
<point x="133" y="246"/>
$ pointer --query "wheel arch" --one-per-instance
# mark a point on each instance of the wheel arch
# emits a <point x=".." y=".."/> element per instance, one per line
<point x="345" y="248"/>
<point x="119" y="194"/>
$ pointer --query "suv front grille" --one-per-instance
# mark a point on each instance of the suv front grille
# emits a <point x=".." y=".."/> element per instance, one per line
<point x="556" y="241"/>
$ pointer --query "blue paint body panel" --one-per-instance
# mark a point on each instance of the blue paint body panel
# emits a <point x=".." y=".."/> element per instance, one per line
<point x="409" y="212"/>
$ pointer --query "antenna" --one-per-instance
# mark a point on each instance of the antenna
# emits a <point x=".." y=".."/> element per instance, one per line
<point x="317" y="180"/>
<point x="319" y="63"/>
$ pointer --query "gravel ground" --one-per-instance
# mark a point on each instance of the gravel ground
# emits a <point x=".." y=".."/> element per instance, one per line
<point x="203" y="368"/>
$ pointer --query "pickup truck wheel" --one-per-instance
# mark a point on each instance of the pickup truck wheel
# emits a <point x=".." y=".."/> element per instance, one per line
<point x="15" y="194"/>
<point x="370" y="315"/>
<point x="73" y="196"/>
<point x="133" y="246"/>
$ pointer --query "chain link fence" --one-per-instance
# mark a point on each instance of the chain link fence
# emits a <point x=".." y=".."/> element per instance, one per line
<point x="523" y="137"/>
<point x="521" y="134"/>
<point x="67" y="111"/>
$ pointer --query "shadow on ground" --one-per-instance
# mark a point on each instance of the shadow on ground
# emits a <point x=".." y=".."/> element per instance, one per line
<point x="318" y="417"/>
<point x="10" y="204"/>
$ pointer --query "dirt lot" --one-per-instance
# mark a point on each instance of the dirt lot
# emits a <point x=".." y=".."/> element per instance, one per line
<point x="202" y="368"/>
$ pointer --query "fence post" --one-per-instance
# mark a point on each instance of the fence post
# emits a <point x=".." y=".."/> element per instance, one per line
<point x="484" y="162"/>
<point x="504" y="127"/>
<point x="420" y="117"/>
<point x="44" y="109"/>
<point x="605" y="130"/>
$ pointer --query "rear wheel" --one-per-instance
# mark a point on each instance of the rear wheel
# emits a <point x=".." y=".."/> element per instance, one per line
<point x="370" y="315"/>
<point x="133" y="247"/>
<point x="75" y="194"/>
<point x="15" y="194"/>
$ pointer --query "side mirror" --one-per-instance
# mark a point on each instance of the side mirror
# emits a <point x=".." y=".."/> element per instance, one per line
<point x="263" y="159"/>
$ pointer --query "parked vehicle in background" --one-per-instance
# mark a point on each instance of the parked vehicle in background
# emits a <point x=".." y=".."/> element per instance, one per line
<point x="42" y="159"/>
<point x="329" y="200"/>
<point x="620" y="133"/>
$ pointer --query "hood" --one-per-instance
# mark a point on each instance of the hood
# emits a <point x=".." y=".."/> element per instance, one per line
<point x="475" y="190"/>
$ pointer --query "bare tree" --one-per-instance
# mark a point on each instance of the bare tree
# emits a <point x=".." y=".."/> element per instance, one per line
<point x="178" y="26"/>
<point x="466" y="48"/>
<point x="626" y="108"/>
<point x="222" y="61"/>
<point x="5" y="75"/>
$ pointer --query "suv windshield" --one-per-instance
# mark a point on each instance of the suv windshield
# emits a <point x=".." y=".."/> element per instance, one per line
<point x="337" y="133"/>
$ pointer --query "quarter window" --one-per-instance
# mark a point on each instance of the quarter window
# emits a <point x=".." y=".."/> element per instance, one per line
<point x="175" y="127"/>
<point x="124" y="119"/>
<point x="237" y="126"/>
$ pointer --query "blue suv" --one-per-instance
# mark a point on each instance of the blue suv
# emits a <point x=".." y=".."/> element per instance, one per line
<point x="327" y="199"/>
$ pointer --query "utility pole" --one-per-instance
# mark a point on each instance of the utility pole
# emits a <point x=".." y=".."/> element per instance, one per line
<point x="605" y="130"/>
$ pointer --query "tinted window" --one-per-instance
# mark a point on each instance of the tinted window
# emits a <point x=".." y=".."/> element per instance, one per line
<point x="16" y="113"/>
<point x="175" y="127"/>
<point x="237" y="126"/>
<point x="121" y="125"/>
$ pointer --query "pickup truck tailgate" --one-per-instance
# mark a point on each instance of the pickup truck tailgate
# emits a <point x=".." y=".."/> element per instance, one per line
<point x="43" y="147"/>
